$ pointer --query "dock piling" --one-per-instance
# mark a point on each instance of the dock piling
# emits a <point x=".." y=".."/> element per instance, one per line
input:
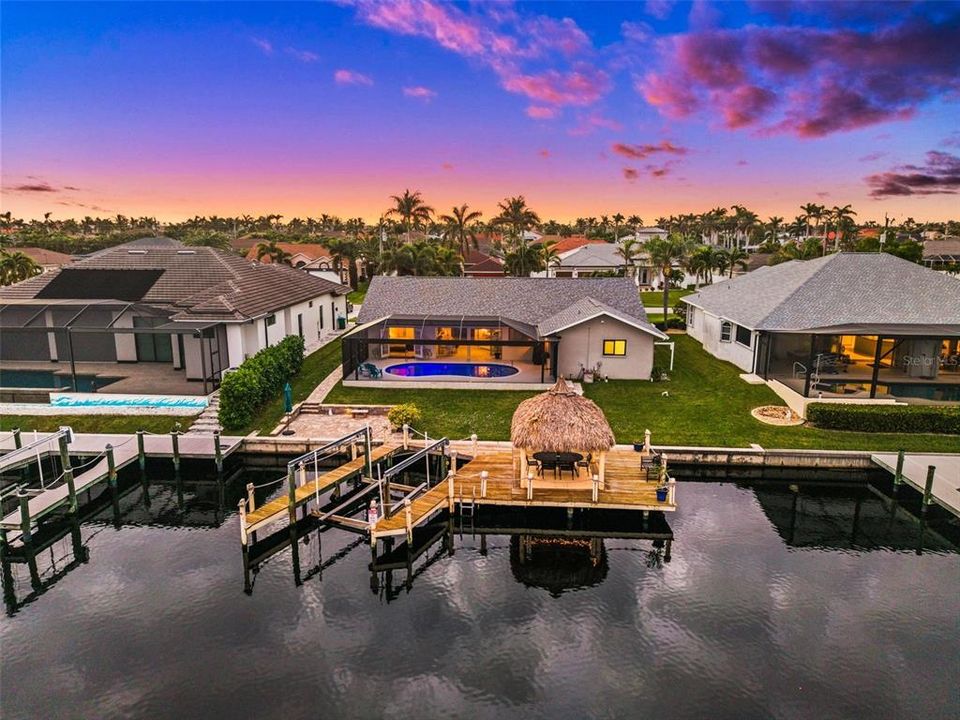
<point x="23" y="498"/>
<point x="406" y="436"/>
<point x="928" y="489"/>
<point x="242" y="510"/>
<point x="68" y="472"/>
<point x="473" y="444"/>
<point x="251" y="498"/>
<point x="141" y="453"/>
<point x="898" y="476"/>
<point x="17" y="441"/>
<point x="111" y="466"/>
<point x="408" y="519"/>
<point x="175" y="441"/>
<point x="217" y="451"/>
<point x="291" y="495"/>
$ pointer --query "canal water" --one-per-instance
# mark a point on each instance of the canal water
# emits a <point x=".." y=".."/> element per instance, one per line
<point x="778" y="600"/>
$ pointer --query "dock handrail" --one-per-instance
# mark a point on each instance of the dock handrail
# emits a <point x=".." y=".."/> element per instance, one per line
<point x="15" y="456"/>
<point x="394" y="507"/>
<point x="309" y="456"/>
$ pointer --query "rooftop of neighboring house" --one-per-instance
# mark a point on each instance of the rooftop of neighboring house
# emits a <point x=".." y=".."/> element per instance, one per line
<point x="44" y="257"/>
<point x="844" y="292"/>
<point x="596" y="255"/>
<point x="481" y="262"/>
<point x="308" y="251"/>
<point x="536" y="306"/>
<point x="943" y="248"/>
<point x="246" y="242"/>
<point x="566" y="244"/>
<point x="196" y="283"/>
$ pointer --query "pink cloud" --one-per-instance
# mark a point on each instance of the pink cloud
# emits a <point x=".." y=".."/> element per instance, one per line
<point x="544" y="153"/>
<point x="583" y="86"/>
<point x="547" y="33"/>
<point x="305" y="56"/>
<point x="639" y="32"/>
<point x="351" y="77"/>
<point x="265" y="45"/>
<point x="639" y="152"/>
<point x="592" y="122"/>
<point x="540" y="112"/>
<point x="447" y="166"/>
<point x="630" y="174"/>
<point x="420" y="93"/>
<point x="659" y="9"/>
<point x="805" y="81"/>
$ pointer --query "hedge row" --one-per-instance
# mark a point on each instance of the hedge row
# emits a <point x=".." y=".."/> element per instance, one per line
<point x="257" y="380"/>
<point x="940" y="419"/>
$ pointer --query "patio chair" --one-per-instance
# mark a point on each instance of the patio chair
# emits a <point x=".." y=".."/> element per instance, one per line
<point x="371" y="370"/>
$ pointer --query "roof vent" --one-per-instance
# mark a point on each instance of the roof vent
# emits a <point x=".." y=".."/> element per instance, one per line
<point x="186" y="252"/>
<point x="136" y="252"/>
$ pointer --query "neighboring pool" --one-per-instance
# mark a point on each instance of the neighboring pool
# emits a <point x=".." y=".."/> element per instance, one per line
<point x="50" y="379"/>
<point x="460" y="369"/>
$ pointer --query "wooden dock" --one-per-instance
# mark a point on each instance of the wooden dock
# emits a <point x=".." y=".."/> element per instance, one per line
<point x="279" y="508"/>
<point x="627" y="487"/>
<point x="941" y="486"/>
<point x="109" y="453"/>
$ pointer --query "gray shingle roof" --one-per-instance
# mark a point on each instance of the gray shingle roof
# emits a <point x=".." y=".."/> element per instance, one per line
<point x="541" y="303"/>
<point x="600" y="256"/>
<point x="844" y="289"/>
<point x="198" y="282"/>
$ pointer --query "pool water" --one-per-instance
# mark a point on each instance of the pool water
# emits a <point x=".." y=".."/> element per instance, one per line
<point x="464" y="369"/>
<point x="779" y="601"/>
<point x="50" y="379"/>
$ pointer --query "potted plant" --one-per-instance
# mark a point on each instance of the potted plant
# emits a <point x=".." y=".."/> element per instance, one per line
<point x="662" y="491"/>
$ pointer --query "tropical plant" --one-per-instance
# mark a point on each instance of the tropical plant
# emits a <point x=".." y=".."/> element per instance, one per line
<point x="270" y="249"/>
<point x="734" y="258"/>
<point x="16" y="266"/>
<point x="460" y="223"/>
<point x="629" y="252"/>
<point x="411" y="209"/>
<point x="664" y="254"/>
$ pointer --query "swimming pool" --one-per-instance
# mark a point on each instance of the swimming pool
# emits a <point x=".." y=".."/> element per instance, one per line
<point x="459" y="369"/>
<point x="50" y="379"/>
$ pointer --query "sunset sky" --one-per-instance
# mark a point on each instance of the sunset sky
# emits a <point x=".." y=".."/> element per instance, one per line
<point x="175" y="110"/>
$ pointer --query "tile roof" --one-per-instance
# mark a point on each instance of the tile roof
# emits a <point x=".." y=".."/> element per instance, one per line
<point x="599" y="255"/>
<point x="42" y="256"/>
<point x="312" y="251"/>
<point x="539" y="303"/>
<point x="565" y="244"/>
<point x="944" y="247"/>
<point x="840" y="290"/>
<point x="198" y="282"/>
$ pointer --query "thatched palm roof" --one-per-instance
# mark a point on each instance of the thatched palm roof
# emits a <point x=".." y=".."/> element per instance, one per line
<point x="559" y="420"/>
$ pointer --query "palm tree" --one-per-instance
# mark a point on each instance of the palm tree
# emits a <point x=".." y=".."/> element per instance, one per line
<point x="548" y="254"/>
<point x="636" y="222"/>
<point x="518" y="217"/>
<point x="344" y="249"/>
<point x="16" y="266"/>
<point x="629" y="251"/>
<point x="458" y="222"/>
<point x="617" y="222"/>
<point x="270" y="249"/>
<point x="812" y="211"/>
<point x="773" y="227"/>
<point x="411" y="209"/>
<point x="843" y="217"/>
<point x="735" y="257"/>
<point x="701" y="262"/>
<point x="664" y="252"/>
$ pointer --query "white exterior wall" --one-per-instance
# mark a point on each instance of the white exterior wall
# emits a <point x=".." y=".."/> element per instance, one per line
<point x="235" y="337"/>
<point x="706" y="329"/>
<point x="583" y="343"/>
<point x="193" y="365"/>
<point x="252" y="338"/>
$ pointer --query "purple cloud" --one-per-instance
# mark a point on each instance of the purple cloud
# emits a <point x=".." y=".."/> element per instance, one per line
<point x="419" y="92"/>
<point x="351" y="77"/>
<point x="940" y="175"/>
<point x="639" y="152"/>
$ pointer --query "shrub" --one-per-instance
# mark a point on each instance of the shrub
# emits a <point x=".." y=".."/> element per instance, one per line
<point x="257" y="380"/>
<point x="886" y="418"/>
<point x="672" y="323"/>
<point x="404" y="414"/>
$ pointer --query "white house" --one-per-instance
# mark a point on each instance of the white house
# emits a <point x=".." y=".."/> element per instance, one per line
<point x="847" y="325"/>
<point x="196" y="309"/>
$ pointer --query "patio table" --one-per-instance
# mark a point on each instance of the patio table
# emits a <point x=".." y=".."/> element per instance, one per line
<point x="559" y="461"/>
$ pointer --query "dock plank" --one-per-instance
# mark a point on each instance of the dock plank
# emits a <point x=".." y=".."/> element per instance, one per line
<point x="946" y="478"/>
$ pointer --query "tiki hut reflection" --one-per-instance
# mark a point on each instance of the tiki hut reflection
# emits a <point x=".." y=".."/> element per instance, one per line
<point x="558" y="564"/>
<point x="561" y="421"/>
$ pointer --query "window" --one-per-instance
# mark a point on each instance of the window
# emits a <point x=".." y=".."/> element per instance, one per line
<point x="744" y="336"/>
<point x="691" y="314"/>
<point x="726" y="330"/>
<point x="617" y="348"/>
<point x="271" y="320"/>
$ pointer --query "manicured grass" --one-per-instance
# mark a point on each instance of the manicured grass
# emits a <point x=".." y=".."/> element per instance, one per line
<point x="96" y="423"/>
<point x="356" y="296"/>
<point x="316" y="367"/>
<point x="451" y="413"/>
<point x="654" y="298"/>
<point x="708" y="404"/>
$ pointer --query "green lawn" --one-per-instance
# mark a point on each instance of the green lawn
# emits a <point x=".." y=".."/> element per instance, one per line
<point x="356" y="296"/>
<point x="453" y="413"/>
<point x="708" y="405"/>
<point x="96" y="423"/>
<point x="316" y="367"/>
<point x="654" y="298"/>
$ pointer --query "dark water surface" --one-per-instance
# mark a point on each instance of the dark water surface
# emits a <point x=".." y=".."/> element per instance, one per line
<point x="775" y="603"/>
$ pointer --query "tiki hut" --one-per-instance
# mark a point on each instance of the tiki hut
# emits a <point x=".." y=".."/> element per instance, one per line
<point x="560" y="421"/>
